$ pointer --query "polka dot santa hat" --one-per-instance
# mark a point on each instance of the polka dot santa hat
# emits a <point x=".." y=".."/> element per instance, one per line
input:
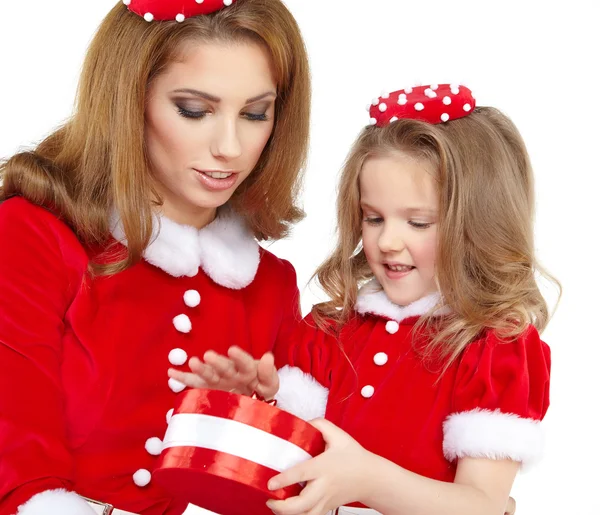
<point x="163" y="10"/>
<point x="437" y="103"/>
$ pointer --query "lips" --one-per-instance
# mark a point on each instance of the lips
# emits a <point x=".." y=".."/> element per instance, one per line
<point x="217" y="180"/>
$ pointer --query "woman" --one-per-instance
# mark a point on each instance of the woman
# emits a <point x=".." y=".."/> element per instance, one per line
<point x="129" y="241"/>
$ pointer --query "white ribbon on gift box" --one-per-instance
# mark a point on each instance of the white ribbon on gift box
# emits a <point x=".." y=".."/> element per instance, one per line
<point x="235" y="438"/>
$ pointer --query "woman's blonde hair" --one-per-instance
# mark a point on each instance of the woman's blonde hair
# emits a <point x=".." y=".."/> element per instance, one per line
<point x="485" y="263"/>
<point x="97" y="160"/>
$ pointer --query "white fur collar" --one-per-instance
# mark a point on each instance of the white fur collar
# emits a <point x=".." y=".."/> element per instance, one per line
<point x="225" y="249"/>
<point x="372" y="299"/>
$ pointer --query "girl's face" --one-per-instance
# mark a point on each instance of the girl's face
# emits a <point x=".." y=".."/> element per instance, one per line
<point x="399" y="229"/>
<point x="208" y="119"/>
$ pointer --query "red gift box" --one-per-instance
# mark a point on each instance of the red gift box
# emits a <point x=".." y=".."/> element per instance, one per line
<point x="221" y="449"/>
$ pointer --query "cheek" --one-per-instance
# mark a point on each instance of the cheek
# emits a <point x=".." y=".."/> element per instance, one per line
<point x="167" y="136"/>
<point x="256" y="139"/>
<point x="369" y="242"/>
<point x="426" y="251"/>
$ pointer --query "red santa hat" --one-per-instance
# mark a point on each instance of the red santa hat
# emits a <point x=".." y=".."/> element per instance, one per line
<point x="436" y="103"/>
<point x="179" y="10"/>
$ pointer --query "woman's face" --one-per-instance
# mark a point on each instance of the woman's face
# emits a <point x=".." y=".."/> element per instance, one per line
<point x="208" y="119"/>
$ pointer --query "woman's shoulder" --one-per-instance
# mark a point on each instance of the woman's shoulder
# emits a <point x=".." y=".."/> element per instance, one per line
<point x="25" y="225"/>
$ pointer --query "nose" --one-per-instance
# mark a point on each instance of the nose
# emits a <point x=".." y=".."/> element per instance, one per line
<point x="226" y="143"/>
<point x="390" y="239"/>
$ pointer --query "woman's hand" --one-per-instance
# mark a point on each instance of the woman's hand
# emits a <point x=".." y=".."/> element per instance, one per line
<point x="237" y="372"/>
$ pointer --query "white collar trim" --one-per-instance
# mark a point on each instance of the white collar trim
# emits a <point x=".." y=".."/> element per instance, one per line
<point x="373" y="300"/>
<point x="225" y="249"/>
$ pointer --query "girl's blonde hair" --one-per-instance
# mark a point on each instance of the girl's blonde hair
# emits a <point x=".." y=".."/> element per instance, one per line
<point x="97" y="160"/>
<point x="485" y="261"/>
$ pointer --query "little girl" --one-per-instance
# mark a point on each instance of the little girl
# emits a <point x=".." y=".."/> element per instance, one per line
<point x="431" y="376"/>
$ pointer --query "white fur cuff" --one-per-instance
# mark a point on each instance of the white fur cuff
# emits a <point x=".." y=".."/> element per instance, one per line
<point x="55" y="502"/>
<point x="300" y="394"/>
<point x="494" y="435"/>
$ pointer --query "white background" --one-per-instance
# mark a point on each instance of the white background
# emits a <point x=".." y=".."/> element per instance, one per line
<point x="536" y="60"/>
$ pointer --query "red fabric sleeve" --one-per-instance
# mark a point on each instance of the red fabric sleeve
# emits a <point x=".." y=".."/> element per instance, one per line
<point x="41" y="269"/>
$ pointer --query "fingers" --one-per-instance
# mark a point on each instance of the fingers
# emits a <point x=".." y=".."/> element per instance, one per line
<point x="307" y="502"/>
<point x="223" y="366"/>
<point x="268" y="379"/>
<point x="244" y="362"/>
<point x="187" y="378"/>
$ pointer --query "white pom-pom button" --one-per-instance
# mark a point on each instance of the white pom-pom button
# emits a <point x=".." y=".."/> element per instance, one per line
<point x="434" y="87"/>
<point x="454" y="89"/>
<point x="367" y="391"/>
<point x="227" y="3"/>
<point x="447" y="101"/>
<point x="182" y="323"/>
<point x="194" y="273"/>
<point x="199" y="1"/>
<point x="169" y="415"/>
<point x="154" y="446"/>
<point x="175" y="385"/>
<point x="430" y="93"/>
<point x="393" y="119"/>
<point x="382" y="107"/>
<point x="467" y="107"/>
<point x="148" y="17"/>
<point x="380" y="359"/>
<point x="445" y="117"/>
<point x="142" y="477"/>
<point x="177" y="357"/>
<point x="375" y="101"/>
<point x="419" y="106"/>
<point x="392" y="326"/>
<point x="402" y="99"/>
<point x="385" y="94"/>
<point x="372" y="121"/>
<point x="180" y="18"/>
<point x="126" y="2"/>
<point x="408" y="90"/>
<point x="191" y="298"/>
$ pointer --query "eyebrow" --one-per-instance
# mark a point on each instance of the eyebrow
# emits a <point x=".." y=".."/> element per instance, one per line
<point x="406" y="210"/>
<point x="216" y="100"/>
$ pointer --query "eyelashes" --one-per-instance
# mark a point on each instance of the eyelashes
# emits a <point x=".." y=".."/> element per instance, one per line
<point x="198" y="115"/>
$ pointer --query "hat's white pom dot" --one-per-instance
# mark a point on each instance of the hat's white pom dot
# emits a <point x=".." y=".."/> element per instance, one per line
<point x="199" y="1"/>
<point x="419" y="106"/>
<point x="445" y="117"/>
<point x="375" y="101"/>
<point x="180" y="18"/>
<point x="454" y="88"/>
<point x="467" y="107"/>
<point x="394" y="119"/>
<point x="430" y="93"/>
<point x="175" y="385"/>
<point x="148" y="17"/>
<point x="434" y="87"/>
<point x="142" y="477"/>
<point x="227" y="3"/>
<point x="385" y="94"/>
<point x="126" y="2"/>
<point x="447" y="101"/>
<point x="368" y="108"/>
<point x="408" y="90"/>
<point x="402" y="99"/>
<point x="372" y="121"/>
<point x="382" y="107"/>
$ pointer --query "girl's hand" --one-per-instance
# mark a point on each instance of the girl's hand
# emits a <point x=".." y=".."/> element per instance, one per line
<point x="237" y="372"/>
<point x="334" y="478"/>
